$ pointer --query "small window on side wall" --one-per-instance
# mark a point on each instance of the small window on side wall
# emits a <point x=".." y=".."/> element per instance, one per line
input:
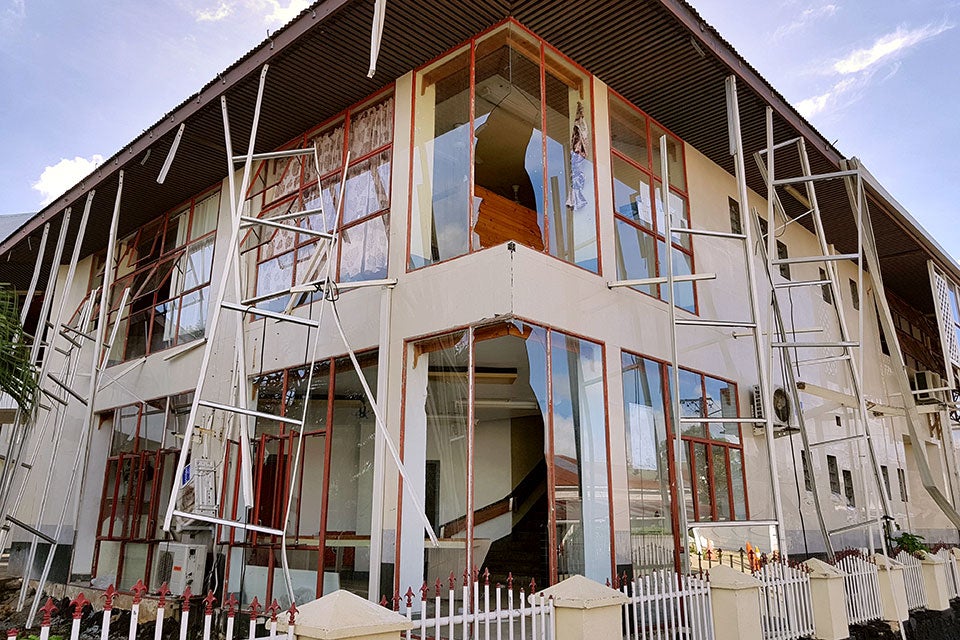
<point x="736" y="222"/>
<point x="825" y="288"/>
<point x="834" y="472"/>
<point x="848" y="488"/>
<point x="783" y="255"/>
<point x="855" y="294"/>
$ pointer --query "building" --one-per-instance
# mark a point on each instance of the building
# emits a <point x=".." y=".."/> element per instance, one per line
<point x="503" y="167"/>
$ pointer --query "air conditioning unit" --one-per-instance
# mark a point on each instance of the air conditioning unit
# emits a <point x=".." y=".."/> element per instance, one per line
<point x="179" y="565"/>
<point x="782" y="410"/>
<point x="923" y="380"/>
<point x="198" y="494"/>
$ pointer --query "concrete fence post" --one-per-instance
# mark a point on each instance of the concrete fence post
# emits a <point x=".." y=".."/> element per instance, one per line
<point x="342" y="614"/>
<point x="829" y="601"/>
<point x="586" y="610"/>
<point x="893" y="590"/>
<point x="735" y="599"/>
<point x="934" y="571"/>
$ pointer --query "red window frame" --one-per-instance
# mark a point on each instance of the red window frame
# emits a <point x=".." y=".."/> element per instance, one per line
<point x="653" y="180"/>
<point x="296" y="200"/>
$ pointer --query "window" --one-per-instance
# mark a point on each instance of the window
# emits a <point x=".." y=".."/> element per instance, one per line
<point x="285" y="186"/>
<point x="713" y="452"/>
<point x="647" y="457"/>
<point x="902" y="479"/>
<point x="834" y="474"/>
<point x="848" y="488"/>
<point x="807" y="482"/>
<point x="736" y="222"/>
<point x="167" y="265"/>
<point x="638" y="203"/>
<point x="538" y="440"/>
<point x="503" y="151"/>
<point x="825" y="288"/>
<point x="886" y="480"/>
<point x="855" y="294"/>
<point x="329" y="528"/>
<point x="137" y="483"/>
<point x="783" y="255"/>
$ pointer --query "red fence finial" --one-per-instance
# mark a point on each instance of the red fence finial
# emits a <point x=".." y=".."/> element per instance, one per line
<point x="108" y="597"/>
<point x="273" y="610"/>
<point x="292" y="613"/>
<point x="255" y="607"/>
<point x="164" y="591"/>
<point x="138" y="590"/>
<point x="12" y="633"/>
<point x="231" y="604"/>
<point x="48" y="610"/>
<point x="409" y="595"/>
<point x="78" y="604"/>
<point x="208" y="602"/>
<point x="187" y="594"/>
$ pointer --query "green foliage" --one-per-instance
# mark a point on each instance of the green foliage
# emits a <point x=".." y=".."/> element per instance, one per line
<point x="18" y="378"/>
<point x="911" y="543"/>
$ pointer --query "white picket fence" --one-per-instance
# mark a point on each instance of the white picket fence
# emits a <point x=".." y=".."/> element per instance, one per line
<point x="861" y="585"/>
<point x="786" y="606"/>
<point x="953" y="573"/>
<point x="497" y="612"/>
<point x="913" y="580"/>
<point x="665" y="605"/>
<point x="270" y="616"/>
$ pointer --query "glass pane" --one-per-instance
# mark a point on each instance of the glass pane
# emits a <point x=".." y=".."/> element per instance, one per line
<point x="164" y="325"/>
<point x="272" y="276"/>
<point x="679" y="217"/>
<point x="137" y="334"/>
<point x="176" y="233"/>
<point x="205" y="215"/>
<point x="570" y="183"/>
<point x="304" y="525"/>
<point x="368" y="188"/>
<point x="628" y="131"/>
<point x="648" y="476"/>
<point x="329" y="146"/>
<point x="682" y="265"/>
<point x="691" y="403"/>
<point x="268" y="389"/>
<point x="107" y="502"/>
<point x="631" y="193"/>
<point x="580" y="458"/>
<point x="736" y="482"/>
<point x="509" y="146"/>
<point x="439" y="221"/>
<point x="701" y="480"/>
<point x="636" y="256"/>
<point x="371" y="128"/>
<point x="197" y="264"/>
<point x="674" y="157"/>
<point x="193" y="315"/>
<point x="720" y="482"/>
<point x="351" y="476"/>
<point x="721" y="401"/>
<point x="134" y="565"/>
<point x="152" y="422"/>
<point x="364" y="251"/>
<point x="125" y="430"/>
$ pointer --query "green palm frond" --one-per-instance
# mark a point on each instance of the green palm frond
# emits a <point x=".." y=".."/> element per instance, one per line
<point x="18" y="378"/>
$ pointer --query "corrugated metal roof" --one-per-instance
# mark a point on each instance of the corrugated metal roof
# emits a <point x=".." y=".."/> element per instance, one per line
<point x="659" y="54"/>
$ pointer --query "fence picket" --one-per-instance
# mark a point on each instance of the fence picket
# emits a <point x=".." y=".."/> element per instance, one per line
<point x="913" y="579"/>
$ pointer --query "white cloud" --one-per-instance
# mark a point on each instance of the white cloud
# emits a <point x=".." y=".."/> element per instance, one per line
<point x="887" y="46"/>
<point x="806" y="16"/>
<point x="56" y="179"/>
<point x="274" y="13"/>
<point x="856" y="70"/>
<point x="215" y="14"/>
<point x="12" y="14"/>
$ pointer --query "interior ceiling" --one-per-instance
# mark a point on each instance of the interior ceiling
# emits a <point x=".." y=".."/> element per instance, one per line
<point x="656" y="53"/>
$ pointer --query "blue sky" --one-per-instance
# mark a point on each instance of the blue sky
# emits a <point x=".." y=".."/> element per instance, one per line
<point x="83" y="78"/>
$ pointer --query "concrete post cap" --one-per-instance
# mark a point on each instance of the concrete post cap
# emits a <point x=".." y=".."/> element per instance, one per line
<point x="929" y="558"/>
<point x="723" y="577"/>
<point x="342" y="614"/>
<point x="578" y="592"/>
<point x="886" y="564"/>
<point x="820" y="569"/>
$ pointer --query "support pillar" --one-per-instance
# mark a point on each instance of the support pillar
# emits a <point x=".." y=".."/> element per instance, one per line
<point x="586" y="609"/>
<point x="829" y="601"/>
<point x="735" y="599"/>
<point x="342" y="615"/>
<point x="893" y="590"/>
<point x="934" y="571"/>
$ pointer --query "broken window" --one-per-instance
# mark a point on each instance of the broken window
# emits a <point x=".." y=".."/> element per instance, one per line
<point x="167" y="265"/>
<point x="639" y="208"/>
<point x="311" y="184"/>
<point x="518" y="167"/>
